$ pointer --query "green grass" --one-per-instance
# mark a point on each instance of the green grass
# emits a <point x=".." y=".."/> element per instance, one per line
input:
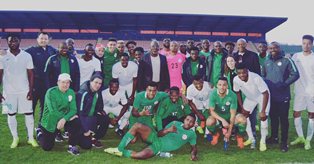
<point x="206" y="153"/>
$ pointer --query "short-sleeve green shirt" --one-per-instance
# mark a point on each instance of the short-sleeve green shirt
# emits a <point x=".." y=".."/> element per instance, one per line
<point x="168" y="108"/>
<point x="222" y="106"/>
<point x="141" y="103"/>
<point x="173" y="141"/>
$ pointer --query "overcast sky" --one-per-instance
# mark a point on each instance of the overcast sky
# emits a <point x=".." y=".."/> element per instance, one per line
<point x="299" y="13"/>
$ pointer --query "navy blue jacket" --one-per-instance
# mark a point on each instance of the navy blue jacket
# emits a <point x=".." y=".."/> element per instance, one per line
<point x="84" y="101"/>
<point x="40" y="57"/>
<point x="279" y="73"/>
<point x="53" y="70"/>
<point x="210" y="62"/>
<point x="187" y="71"/>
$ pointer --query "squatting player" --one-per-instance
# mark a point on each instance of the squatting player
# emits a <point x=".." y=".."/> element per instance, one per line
<point x="223" y="108"/>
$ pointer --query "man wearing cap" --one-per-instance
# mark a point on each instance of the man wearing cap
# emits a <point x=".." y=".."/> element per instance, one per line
<point x="60" y="112"/>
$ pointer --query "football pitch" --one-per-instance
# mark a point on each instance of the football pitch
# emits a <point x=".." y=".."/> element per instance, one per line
<point x="207" y="153"/>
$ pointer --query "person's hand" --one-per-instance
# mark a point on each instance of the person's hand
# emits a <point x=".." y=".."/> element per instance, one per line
<point x="225" y="124"/>
<point x="89" y="133"/>
<point x="262" y="116"/>
<point x="227" y="135"/>
<point x="29" y="95"/>
<point x="280" y="85"/>
<point x="245" y="113"/>
<point x="114" y="121"/>
<point x="172" y="129"/>
<point x="210" y="85"/>
<point x="131" y="100"/>
<point x="145" y="112"/>
<point x="61" y="124"/>
<point x="1" y="98"/>
<point x="74" y="117"/>
<point x="194" y="158"/>
<point x="185" y="100"/>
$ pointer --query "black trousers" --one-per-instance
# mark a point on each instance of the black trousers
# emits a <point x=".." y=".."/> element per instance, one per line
<point x="76" y="136"/>
<point x="169" y="119"/>
<point x="39" y="94"/>
<point x="102" y="126"/>
<point x="279" y="113"/>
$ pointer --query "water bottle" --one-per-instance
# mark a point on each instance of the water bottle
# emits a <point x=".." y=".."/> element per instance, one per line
<point x="226" y="145"/>
<point x="165" y="154"/>
<point x="209" y="137"/>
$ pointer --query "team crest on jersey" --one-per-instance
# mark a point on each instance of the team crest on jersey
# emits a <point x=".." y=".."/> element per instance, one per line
<point x="72" y="61"/>
<point x="156" y="102"/>
<point x="227" y="103"/>
<point x="180" y="60"/>
<point x="70" y="98"/>
<point x="201" y="66"/>
<point x="184" y="137"/>
<point x="279" y="63"/>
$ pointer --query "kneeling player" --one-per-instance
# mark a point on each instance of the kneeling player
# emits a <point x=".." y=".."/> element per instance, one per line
<point x="175" y="135"/>
<point x="223" y="107"/>
<point x="171" y="109"/>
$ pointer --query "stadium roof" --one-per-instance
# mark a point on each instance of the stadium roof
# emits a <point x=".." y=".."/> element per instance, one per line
<point x="112" y="22"/>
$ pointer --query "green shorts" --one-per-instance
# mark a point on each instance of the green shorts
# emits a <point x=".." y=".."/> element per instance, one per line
<point x="154" y="142"/>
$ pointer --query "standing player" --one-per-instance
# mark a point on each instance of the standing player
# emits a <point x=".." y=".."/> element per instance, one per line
<point x="175" y="62"/>
<point x="205" y="49"/>
<point x="304" y="91"/>
<point x="223" y="108"/>
<point x="198" y="96"/>
<point x="40" y="55"/>
<point x="110" y="58"/>
<point x="279" y="73"/>
<point x="126" y="72"/>
<point x="62" y="62"/>
<point x="88" y="64"/>
<point x="16" y="70"/>
<point x="257" y="93"/>
<point x="175" y="135"/>
<point x="166" y="47"/>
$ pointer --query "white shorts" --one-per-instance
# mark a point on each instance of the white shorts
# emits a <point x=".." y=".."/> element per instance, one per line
<point x="249" y="105"/>
<point x="16" y="103"/>
<point x="127" y="89"/>
<point x="116" y="111"/>
<point x="303" y="102"/>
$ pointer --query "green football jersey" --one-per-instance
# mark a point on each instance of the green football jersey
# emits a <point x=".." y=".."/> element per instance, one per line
<point x="222" y="106"/>
<point x="173" y="141"/>
<point x="141" y="103"/>
<point x="168" y="108"/>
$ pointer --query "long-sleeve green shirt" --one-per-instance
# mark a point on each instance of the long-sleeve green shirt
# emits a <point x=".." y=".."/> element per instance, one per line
<point x="168" y="108"/>
<point x="58" y="105"/>
<point x="109" y="60"/>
